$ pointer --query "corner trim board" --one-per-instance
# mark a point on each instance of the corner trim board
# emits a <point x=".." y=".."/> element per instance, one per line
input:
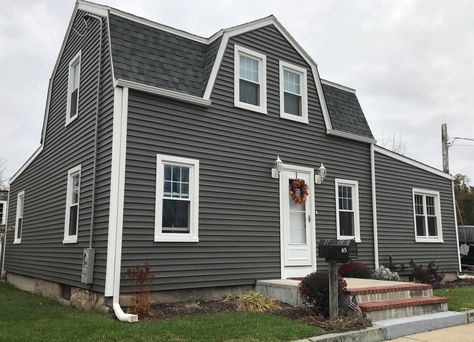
<point x="117" y="189"/>
<point x="456" y="226"/>
<point x="374" y="206"/>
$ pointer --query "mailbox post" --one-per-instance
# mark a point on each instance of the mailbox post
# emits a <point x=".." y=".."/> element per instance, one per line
<point x="335" y="251"/>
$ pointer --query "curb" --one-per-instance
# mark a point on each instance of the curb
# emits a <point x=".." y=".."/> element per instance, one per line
<point x="375" y="333"/>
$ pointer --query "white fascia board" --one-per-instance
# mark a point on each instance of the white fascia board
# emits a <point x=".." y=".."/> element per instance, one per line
<point x="26" y="164"/>
<point x="412" y="162"/>
<point x="338" y="86"/>
<point x="164" y="92"/>
<point x="92" y="8"/>
<point x="351" y="136"/>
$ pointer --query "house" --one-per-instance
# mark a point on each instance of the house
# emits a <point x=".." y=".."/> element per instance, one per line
<point x="158" y="146"/>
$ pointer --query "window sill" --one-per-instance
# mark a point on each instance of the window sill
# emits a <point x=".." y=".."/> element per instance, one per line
<point x="258" y="109"/>
<point x="296" y="118"/>
<point x="71" y="239"/>
<point x="69" y="121"/>
<point x="175" y="238"/>
<point x="421" y="240"/>
<point x="357" y="239"/>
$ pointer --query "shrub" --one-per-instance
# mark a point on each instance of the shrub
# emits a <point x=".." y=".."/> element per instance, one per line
<point x="141" y="278"/>
<point x="355" y="270"/>
<point x="252" y="301"/>
<point x="383" y="273"/>
<point x="431" y="275"/>
<point x="314" y="289"/>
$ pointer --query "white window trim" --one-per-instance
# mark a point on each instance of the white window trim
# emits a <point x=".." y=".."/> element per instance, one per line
<point x="355" y="205"/>
<point x="71" y="238"/>
<point x="193" y="164"/>
<point x="262" y="74"/>
<point x="3" y="221"/>
<point x="427" y="239"/>
<point x="15" y="239"/>
<point x="304" y="92"/>
<point x="77" y="58"/>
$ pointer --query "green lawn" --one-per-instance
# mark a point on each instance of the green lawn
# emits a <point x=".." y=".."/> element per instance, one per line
<point x="27" y="317"/>
<point x="460" y="299"/>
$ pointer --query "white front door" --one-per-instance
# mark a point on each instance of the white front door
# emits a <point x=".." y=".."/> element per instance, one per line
<point x="297" y="225"/>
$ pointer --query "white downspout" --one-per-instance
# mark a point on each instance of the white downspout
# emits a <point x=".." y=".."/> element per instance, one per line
<point x="122" y="316"/>
<point x="374" y="206"/>
<point x="117" y="192"/>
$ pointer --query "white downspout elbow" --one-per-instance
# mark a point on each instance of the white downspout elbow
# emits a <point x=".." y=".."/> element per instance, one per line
<point x="122" y="316"/>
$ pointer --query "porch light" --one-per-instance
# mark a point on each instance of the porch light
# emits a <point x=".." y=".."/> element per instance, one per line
<point x="278" y="167"/>
<point x="318" y="179"/>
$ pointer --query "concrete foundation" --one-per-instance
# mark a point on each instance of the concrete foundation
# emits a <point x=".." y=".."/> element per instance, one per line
<point x="80" y="298"/>
<point x="189" y="295"/>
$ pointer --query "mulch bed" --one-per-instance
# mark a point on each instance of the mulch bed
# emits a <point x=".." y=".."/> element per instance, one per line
<point x="456" y="283"/>
<point x="340" y="324"/>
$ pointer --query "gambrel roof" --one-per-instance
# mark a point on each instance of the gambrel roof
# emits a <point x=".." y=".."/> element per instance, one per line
<point x="157" y="58"/>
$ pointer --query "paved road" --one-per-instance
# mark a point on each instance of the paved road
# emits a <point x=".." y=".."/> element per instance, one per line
<point x="461" y="333"/>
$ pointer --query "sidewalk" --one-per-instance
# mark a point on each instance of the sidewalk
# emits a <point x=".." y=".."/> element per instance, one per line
<point x="461" y="333"/>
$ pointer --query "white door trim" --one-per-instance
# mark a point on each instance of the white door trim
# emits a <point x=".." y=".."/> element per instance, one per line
<point x="298" y="271"/>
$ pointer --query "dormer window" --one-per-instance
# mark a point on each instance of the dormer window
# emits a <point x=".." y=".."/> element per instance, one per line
<point x="73" y="88"/>
<point x="293" y="92"/>
<point x="250" y="80"/>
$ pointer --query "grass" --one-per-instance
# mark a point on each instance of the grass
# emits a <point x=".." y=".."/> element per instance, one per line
<point x="460" y="298"/>
<point x="27" y="317"/>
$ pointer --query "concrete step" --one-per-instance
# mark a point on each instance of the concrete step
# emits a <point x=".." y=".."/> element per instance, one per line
<point x="391" y="292"/>
<point x="283" y="290"/>
<point x="398" y="327"/>
<point x="406" y="307"/>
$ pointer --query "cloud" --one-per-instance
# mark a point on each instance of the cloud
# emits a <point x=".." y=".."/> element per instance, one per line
<point x="412" y="62"/>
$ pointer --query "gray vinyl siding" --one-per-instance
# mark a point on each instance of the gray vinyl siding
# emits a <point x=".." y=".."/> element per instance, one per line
<point x="239" y="228"/>
<point x="41" y="253"/>
<point x="396" y="231"/>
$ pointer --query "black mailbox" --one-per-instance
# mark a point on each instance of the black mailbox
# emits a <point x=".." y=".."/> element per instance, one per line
<point x="338" y="250"/>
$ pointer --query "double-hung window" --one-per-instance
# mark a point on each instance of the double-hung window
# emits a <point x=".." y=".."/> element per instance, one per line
<point x="73" y="88"/>
<point x="250" y="88"/>
<point x="347" y="209"/>
<point x="177" y="199"/>
<point x="20" y="204"/>
<point x="427" y="212"/>
<point x="3" y="212"/>
<point x="293" y="92"/>
<point x="72" y="205"/>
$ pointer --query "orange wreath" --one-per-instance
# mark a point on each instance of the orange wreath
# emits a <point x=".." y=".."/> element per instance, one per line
<point x="299" y="191"/>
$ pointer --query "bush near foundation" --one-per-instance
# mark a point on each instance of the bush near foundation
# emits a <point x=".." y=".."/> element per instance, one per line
<point x="314" y="289"/>
<point x="430" y="275"/>
<point x="355" y="270"/>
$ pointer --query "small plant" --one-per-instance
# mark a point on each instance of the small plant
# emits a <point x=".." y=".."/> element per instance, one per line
<point x="431" y="275"/>
<point x="142" y="279"/>
<point x="252" y="301"/>
<point x="314" y="289"/>
<point x="355" y="270"/>
<point x="383" y="273"/>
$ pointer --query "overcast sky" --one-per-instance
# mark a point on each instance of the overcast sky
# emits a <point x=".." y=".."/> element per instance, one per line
<point x="412" y="62"/>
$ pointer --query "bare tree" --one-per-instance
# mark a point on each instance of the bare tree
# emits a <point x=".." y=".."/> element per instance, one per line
<point x="3" y="178"/>
<point x="395" y="143"/>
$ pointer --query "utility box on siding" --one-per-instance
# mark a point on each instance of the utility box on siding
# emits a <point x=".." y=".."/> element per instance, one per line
<point x="88" y="259"/>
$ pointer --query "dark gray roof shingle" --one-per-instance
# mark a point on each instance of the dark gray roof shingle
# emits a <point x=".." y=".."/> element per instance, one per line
<point x="158" y="58"/>
<point x="345" y="111"/>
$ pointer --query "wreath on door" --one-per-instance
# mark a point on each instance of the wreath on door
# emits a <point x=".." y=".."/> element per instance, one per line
<point x="299" y="191"/>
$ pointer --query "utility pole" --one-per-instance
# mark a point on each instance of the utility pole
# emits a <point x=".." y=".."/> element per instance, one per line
<point x="445" y="147"/>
